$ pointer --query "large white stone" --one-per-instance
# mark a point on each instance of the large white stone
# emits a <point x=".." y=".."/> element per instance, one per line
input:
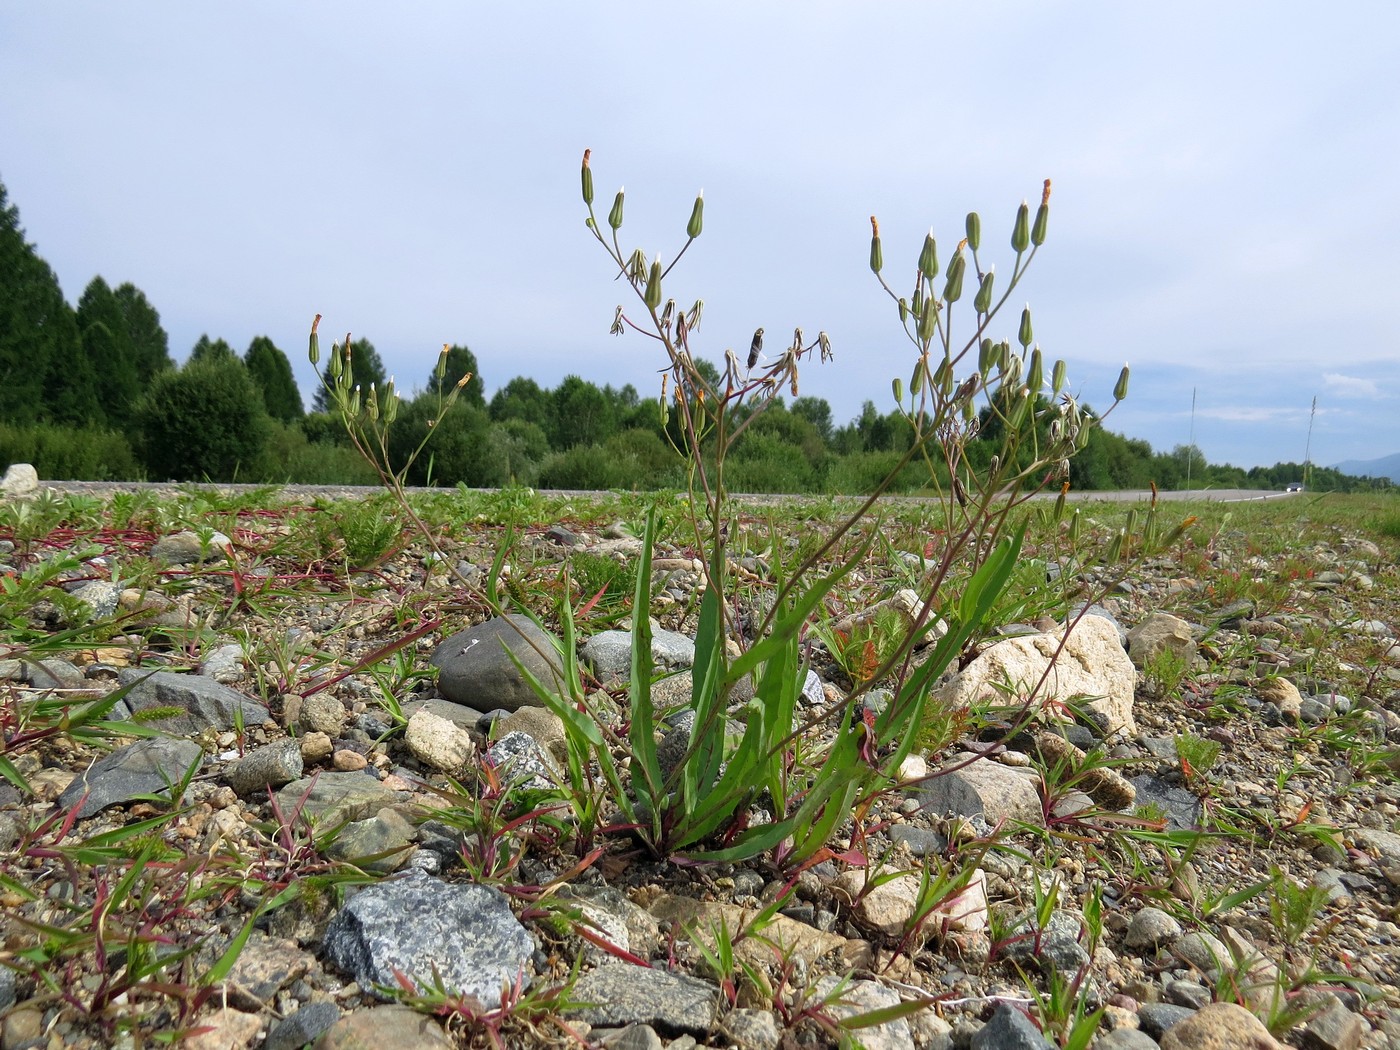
<point x="21" y="481"/>
<point x="1092" y="672"/>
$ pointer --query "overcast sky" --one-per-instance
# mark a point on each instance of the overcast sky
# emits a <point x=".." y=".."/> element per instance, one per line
<point x="1226" y="211"/>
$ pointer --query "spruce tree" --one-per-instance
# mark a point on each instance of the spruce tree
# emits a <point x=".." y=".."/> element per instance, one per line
<point x="39" y="344"/>
<point x="271" y="373"/>
<point x="206" y="349"/>
<point x="149" y="343"/>
<point x="109" y="353"/>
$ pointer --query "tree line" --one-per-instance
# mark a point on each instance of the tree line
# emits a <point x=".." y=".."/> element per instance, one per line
<point x="92" y="392"/>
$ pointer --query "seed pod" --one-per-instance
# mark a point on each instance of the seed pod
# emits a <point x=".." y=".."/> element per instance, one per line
<point x="355" y="402"/>
<point x="974" y="230"/>
<point x="1042" y="216"/>
<point x="982" y="301"/>
<point x="927" y="320"/>
<point x="652" y="295"/>
<point x="824" y="345"/>
<point x="372" y="404"/>
<point x="903" y="311"/>
<point x="1036" y="374"/>
<point x="897" y="385"/>
<point x="1060" y="502"/>
<point x="667" y="313"/>
<point x="1025" y="335"/>
<point x="336" y="365"/>
<point x="694" y="320"/>
<point x="697" y="217"/>
<point x="391" y="408"/>
<point x="615" y="216"/>
<point x="916" y="381"/>
<point x="969" y="410"/>
<point x="928" y="258"/>
<point x="877" y="255"/>
<point x="587" y="179"/>
<point x="987" y="355"/>
<point x="1120" y="389"/>
<point x="313" y="350"/>
<point x="1057" y="377"/>
<point x="952" y="288"/>
<point x="1131" y="526"/>
<point x="1074" y="526"/>
<point x="917" y="306"/>
<point x="1021" y="232"/>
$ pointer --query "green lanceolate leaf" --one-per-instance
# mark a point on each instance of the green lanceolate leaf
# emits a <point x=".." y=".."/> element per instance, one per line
<point x="646" y="771"/>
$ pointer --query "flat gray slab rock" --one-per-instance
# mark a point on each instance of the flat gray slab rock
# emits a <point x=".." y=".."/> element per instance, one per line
<point x="982" y="789"/>
<point x="1010" y="1029"/>
<point x="475" y="668"/>
<point x="328" y="799"/>
<point x="427" y="929"/>
<point x="147" y="767"/>
<point x="671" y="1003"/>
<point x="203" y="702"/>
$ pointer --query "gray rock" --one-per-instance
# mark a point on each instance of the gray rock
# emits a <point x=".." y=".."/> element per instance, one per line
<point x="1205" y="951"/>
<point x="147" y="767"/>
<point x="21" y="481"/>
<point x="100" y="597"/>
<point x="302" y="1027"/>
<point x="982" y="789"/>
<point x="438" y="743"/>
<point x="380" y="844"/>
<point x="1181" y="807"/>
<point x="385" y="1028"/>
<point x="670" y="1002"/>
<point x="1160" y="632"/>
<point x="460" y="714"/>
<point x="1186" y="993"/>
<point x="1334" y="1029"/>
<point x="921" y="841"/>
<point x="519" y="759"/>
<point x="1155" y="1018"/>
<point x="55" y="674"/>
<point x="633" y="1037"/>
<point x="1315" y="709"/>
<point x="475" y="668"/>
<point x="427" y="929"/>
<point x="224" y="664"/>
<point x="204" y="703"/>
<point x="7" y="988"/>
<point x="271" y="765"/>
<point x="609" y="654"/>
<point x="328" y="799"/>
<point x="322" y="713"/>
<point x="1058" y="943"/>
<point x="1125" y="1039"/>
<point x="186" y="548"/>
<point x="1010" y="1029"/>
<point x="861" y="997"/>
<point x="1151" y="928"/>
<point x="753" y="1029"/>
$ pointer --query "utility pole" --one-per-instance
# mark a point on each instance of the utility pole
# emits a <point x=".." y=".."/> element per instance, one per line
<point x="1307" y="450"/>
<point x="1191" y="439"/>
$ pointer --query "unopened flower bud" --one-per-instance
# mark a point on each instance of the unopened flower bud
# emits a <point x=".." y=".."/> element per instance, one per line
<point x="697" y="217"/>
<point x="952" y="288"/>
<point x="1021" y="232"/>
<point x="652" y="295"/>
<point x="1025" y="334"/>
<point x="974" y="230"/>
<point x="928" y="258"/>
<point x="1120" y="389"/>
<point x="877" y="256"/>
<point x="982" y="301"/>
<point x="615" y="216"/>
<point x="587" y="179"/>
<point x="313" y="350"/>
<point x="1057" y="377"/>
<point x="1036" y="375"/>
<point x="897" y="385"/>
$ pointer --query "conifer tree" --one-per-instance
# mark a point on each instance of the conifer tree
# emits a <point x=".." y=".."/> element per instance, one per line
<point x="39" y="344"/>
<point x="271" y="373"/>
<point x="149" y="343"/>
<point x="110" y="355"/>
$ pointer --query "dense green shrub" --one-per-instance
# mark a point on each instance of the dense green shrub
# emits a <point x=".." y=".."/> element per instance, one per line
<point x="69" y="454"/>
<point x="459" y="450"/>
<point x="289" y="457"/>
<point x="204" y="422"/>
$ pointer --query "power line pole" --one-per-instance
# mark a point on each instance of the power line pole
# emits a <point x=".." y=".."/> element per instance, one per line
<point x="1191" y="439"/>
<point x="1307" y="450"/>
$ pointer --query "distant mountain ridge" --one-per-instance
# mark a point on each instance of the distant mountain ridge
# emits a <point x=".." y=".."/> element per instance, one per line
<point x="1385" y="467"/>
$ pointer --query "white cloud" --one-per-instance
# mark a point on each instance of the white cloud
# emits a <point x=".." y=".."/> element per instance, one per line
<point x="1352" y="386"/>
